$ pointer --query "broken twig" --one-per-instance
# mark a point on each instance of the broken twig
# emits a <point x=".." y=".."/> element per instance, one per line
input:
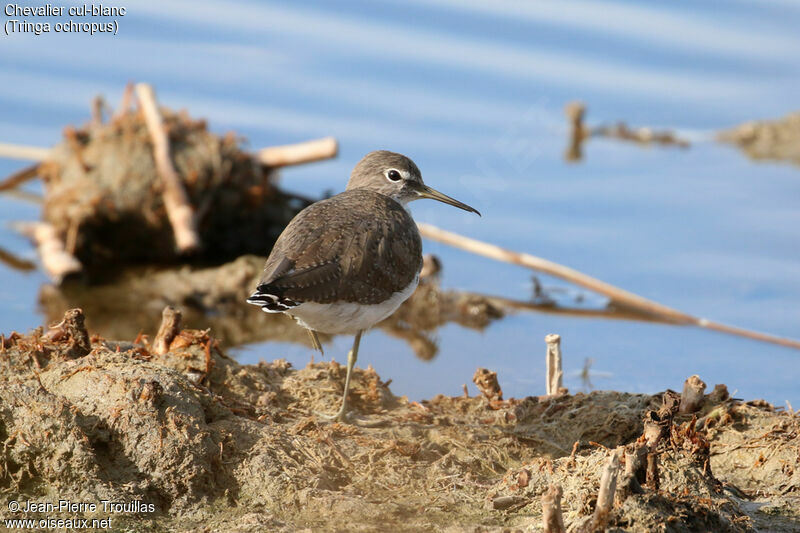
<point x="652" y="471"/>
<point x="692" y="395"/>
<point x="552" y="519"/>
<point x="19" y="177"/>
<point x="503" y="503"/>
<point x="555" y="374"/>
<point x="72" y="326"/>
<point x="605" y="497"/>
<point x="655" y="429"/>
<point x="176" y="201"/>
<point x="125" y="102"/>
<point x="619" y="297"/>
<point x="487" y="383"/>
<point x="575" y="112"/>
<point x="17" y="263"/>
<point x="18" y="151"/>
<point x="98" y="108"/>
<point x="56" y="260"/>
<point x="169" y="329"/>
<point x="295" y="154"/>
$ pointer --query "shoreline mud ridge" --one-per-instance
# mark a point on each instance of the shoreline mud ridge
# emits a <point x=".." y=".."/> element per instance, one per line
<point x="218" y="446"/>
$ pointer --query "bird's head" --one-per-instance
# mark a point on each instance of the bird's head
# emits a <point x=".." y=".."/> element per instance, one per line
<point x="396" y="176"/>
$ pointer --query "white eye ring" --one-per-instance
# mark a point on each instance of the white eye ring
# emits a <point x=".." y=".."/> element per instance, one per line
<point x="393" y="175"/>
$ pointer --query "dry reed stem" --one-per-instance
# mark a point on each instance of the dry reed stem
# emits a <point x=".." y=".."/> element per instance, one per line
<point x="179" y="209"/>
<point x="18" y="151"/>
<point x="24" y="196"/>
<point x="555" y="374"/>
<point x="17" y="263"/>
<point x="617" y="296"/>
<point x="295" y="154"/>
<point x="492" y="251"/>
<point x="19" y="177"/>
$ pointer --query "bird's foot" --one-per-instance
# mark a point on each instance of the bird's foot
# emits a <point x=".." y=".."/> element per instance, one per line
<point x="348" y="417"/>
<point x="343" y="416"/>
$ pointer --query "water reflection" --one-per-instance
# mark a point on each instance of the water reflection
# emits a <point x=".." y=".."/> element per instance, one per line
<point x="214" y="298"/>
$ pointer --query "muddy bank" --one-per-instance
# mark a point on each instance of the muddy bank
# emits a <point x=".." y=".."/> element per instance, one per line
<point x="218" y="446"/>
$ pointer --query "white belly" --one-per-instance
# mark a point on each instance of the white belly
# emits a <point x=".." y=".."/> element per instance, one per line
<point x="348" y="318"/>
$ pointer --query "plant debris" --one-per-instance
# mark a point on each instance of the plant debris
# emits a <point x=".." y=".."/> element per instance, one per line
<point x="776" y="140"/>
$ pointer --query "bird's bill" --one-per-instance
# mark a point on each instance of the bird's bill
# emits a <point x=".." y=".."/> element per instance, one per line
<point x="426" y="192"/>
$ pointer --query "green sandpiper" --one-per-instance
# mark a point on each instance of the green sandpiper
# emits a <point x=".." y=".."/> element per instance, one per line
<point x="345" y="263"/>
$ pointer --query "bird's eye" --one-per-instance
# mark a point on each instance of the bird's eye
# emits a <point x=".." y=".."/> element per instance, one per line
<point x="393" y="175"/>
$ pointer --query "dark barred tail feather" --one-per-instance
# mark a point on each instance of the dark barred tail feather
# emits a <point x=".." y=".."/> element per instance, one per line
<point x="270" y="303"/>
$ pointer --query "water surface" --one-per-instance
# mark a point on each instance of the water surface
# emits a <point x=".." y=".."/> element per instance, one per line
<point x="474" y="93"/>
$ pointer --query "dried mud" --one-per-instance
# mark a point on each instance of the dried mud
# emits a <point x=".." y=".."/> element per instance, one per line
<point x="773" y="140"/>
<point x="219" y="446"/>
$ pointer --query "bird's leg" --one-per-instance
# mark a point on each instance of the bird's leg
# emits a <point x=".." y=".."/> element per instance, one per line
<point x="315" y="341"/>
<point x="352" y="357"/>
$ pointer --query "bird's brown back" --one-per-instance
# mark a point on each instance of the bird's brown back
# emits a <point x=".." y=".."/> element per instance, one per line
<point x="360" y="248"/>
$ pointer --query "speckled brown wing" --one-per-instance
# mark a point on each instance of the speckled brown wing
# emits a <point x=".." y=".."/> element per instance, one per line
<point x="359" y="246"/>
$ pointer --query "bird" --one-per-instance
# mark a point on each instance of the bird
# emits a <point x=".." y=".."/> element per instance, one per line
<point x="345" y="263"/>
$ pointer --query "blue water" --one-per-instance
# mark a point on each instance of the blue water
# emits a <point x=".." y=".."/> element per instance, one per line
<point x="474" y="92"/>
